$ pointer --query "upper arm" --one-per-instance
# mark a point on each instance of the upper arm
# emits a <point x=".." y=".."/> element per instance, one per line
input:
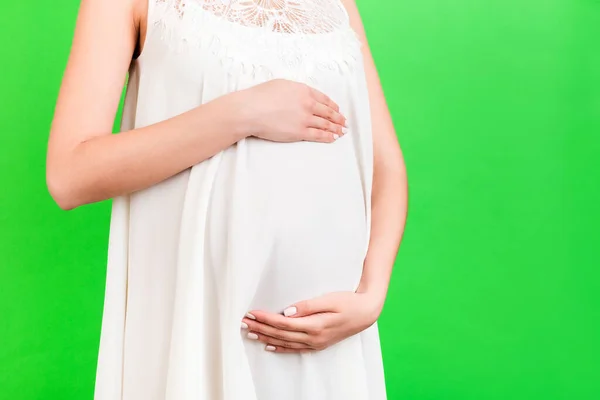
<point x="385" y="143"/>
<point x="101" y="52"/>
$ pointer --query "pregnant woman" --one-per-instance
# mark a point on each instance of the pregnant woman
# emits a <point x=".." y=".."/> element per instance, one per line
<point x="259" y="196"/>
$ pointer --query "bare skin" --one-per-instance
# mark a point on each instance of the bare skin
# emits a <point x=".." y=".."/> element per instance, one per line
<point x="86" y="163"/>
<point x="316" y="324"/>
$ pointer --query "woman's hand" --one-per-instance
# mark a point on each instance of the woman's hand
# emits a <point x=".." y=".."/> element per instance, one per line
<point x="286" y="111"/>
<point x="313" y="324"/>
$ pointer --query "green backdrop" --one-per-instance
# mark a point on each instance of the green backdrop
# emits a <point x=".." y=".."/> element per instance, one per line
<point x="496" y="292"/>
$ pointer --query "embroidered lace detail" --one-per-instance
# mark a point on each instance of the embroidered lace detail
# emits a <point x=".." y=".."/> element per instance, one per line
<point x="284" y="16"/>
<point x="264" y="38"/>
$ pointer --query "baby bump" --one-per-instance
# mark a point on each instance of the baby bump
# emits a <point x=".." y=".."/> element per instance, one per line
<point x="314" y="203"/>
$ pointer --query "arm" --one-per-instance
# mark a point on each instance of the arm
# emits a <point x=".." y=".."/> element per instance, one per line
<point x="389" y="195"/>
<point x="85" y="162"/>
<point x="318" y="323"/>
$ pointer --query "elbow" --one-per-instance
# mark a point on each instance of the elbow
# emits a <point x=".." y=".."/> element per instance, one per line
<point x="390" y="174"/>
<point x="392" y="168"/>
<point x="61" y="190"/>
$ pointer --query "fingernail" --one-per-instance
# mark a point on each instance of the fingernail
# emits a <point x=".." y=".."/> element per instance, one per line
<point x="250" y="316"/>
<point x="252" y="336"/>
<point x="336" y="136"/>
<point x="270" y="348"/>
<point x="344" y="130"/>
<point x="244" y="325"/>
<point x="288" y="312"/>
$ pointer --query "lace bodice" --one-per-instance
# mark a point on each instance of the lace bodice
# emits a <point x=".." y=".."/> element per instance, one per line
<point x="284" y="16"/>
<point x="274" y="38"/>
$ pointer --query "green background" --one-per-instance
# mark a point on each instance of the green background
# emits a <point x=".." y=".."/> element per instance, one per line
<point x="496" y="290"/>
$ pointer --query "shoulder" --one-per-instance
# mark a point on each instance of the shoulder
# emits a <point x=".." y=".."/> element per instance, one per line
<point x="116" y="7"/>
<point x="354" y="16"/>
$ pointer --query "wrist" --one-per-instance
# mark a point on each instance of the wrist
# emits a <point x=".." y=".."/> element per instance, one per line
<point x="374" y="300"/>
<point x="374" y="284"/>
<point x="241" y="114"/>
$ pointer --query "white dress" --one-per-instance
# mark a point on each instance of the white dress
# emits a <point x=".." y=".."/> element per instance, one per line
<point x="260" y="225"/>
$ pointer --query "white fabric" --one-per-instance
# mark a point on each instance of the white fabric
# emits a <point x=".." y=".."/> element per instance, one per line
<point x="260" y="225"/>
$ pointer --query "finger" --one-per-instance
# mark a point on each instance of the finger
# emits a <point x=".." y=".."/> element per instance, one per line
<point x="325" y="125"/>
<point x="279" y="321"/>
<point x="322" y="304"/>
<point x="328" y="113"/>
<point x="268" y="330"/>
<point x="319" y="135"/>
<point x="324" y="99"/>
<point x="275" y="342"/>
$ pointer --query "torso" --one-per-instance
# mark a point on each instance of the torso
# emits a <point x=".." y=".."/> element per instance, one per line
<point x="259" y="225"/>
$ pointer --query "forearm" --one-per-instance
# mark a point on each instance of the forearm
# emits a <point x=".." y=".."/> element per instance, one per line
<point x="110" y="165"/>
<point x="388" y="217"/>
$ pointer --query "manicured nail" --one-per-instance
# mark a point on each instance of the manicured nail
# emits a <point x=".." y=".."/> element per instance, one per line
<point x="250" y="316"/>
<point x="344" y="130"/>
<point x="288" y="312"/>
<point x="270" y="348"/>
<point x="252" y="336"/>
<point x="244" y="325"/>
<point x="336" y="136"/>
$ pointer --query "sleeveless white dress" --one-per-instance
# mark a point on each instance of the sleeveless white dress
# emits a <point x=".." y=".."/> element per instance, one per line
<point x="260" y="225"/>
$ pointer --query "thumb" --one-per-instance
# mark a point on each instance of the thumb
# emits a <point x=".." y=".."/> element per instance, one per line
<point x="309" y="307"/>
